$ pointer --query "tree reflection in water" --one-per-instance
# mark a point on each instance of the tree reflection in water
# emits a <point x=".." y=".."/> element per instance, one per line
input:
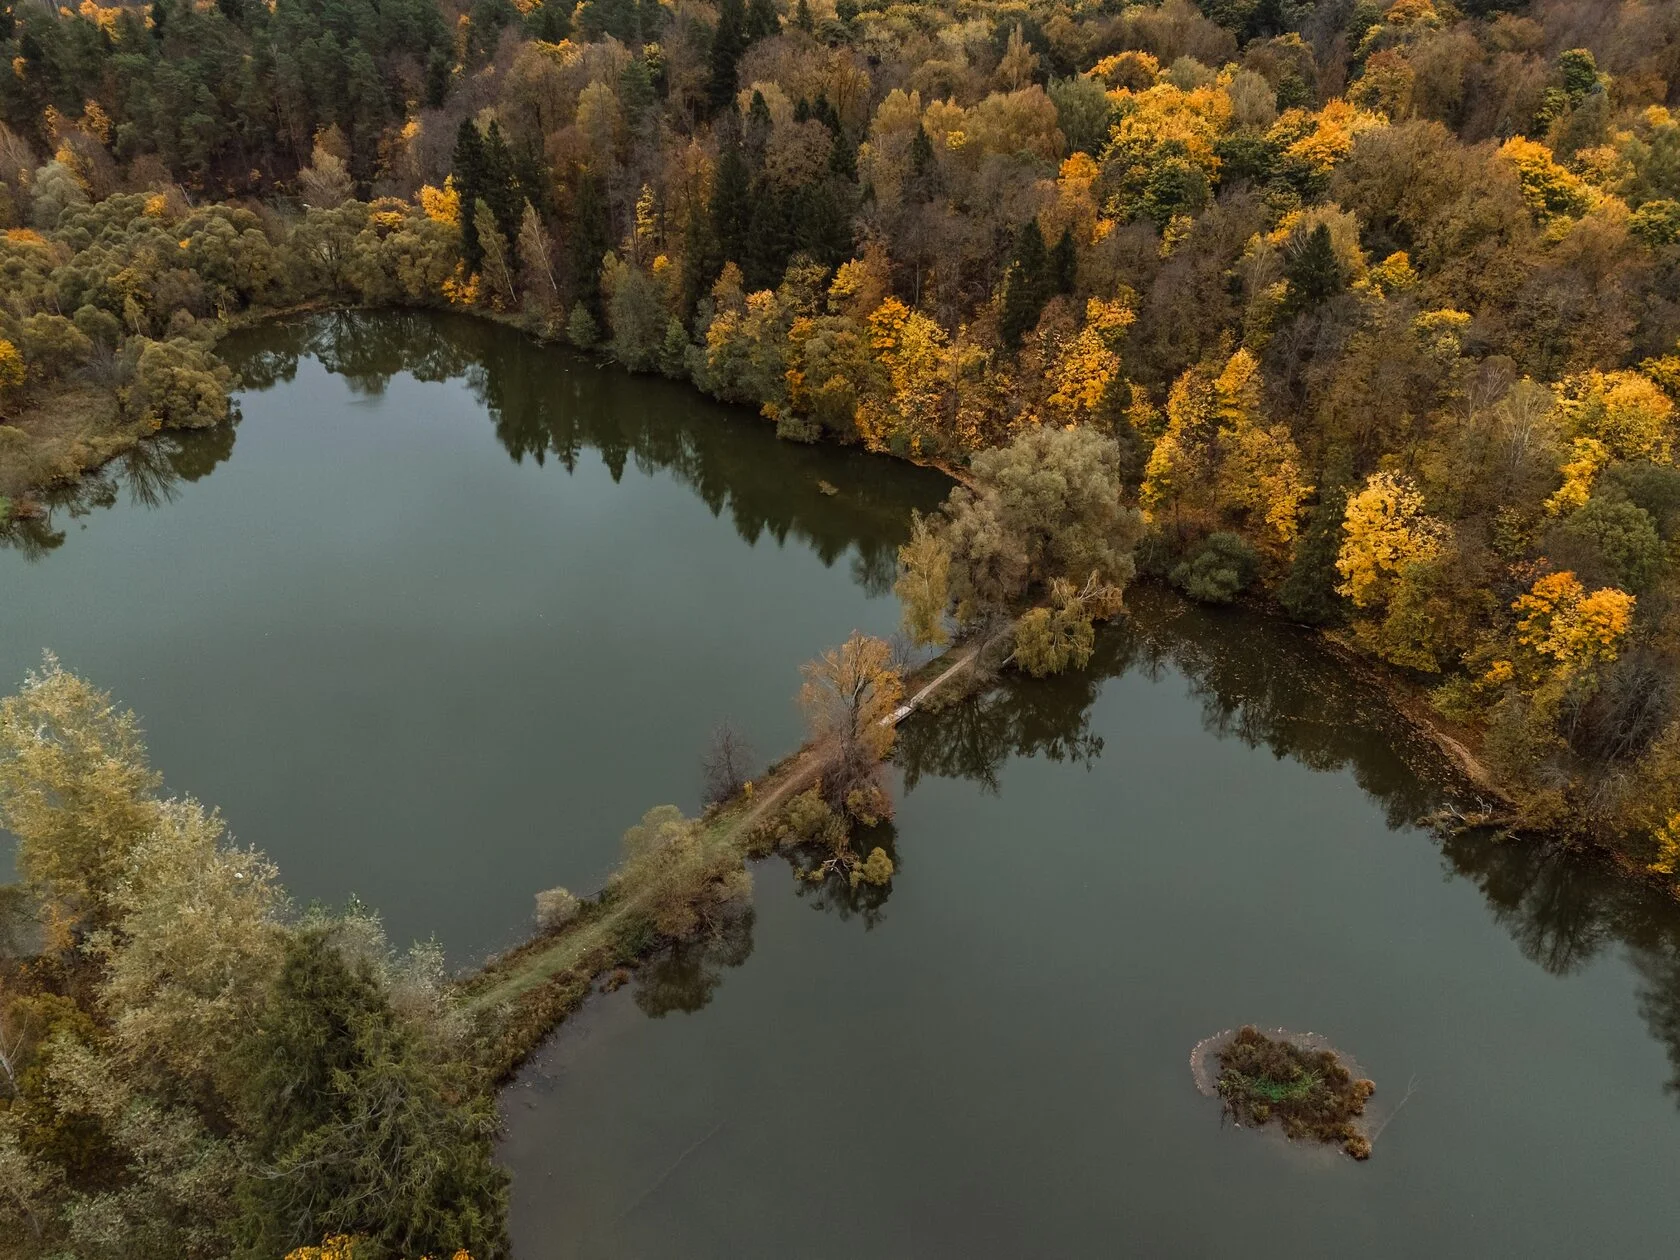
<point x="547" y="403"/>
<point x="684" y="977"/>
<point x="1275" y="687"/>
<point x="150" y="473"/>
<point x="836" y="894"/>
<point x="1259" y="681"/>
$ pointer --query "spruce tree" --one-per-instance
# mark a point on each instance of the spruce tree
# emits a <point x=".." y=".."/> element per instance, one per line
<point x="635" y="91"/>
<point x="471" y="179"/>
<point x="357" y="1124"/>
<point x="550" y="21"/>
<point x="1314" y="272"/>
<point x="731" y="198"/>
<point x="1308" y="593"/>
<point x="1026" y="286"/>
<point x="762" y="20"/>
<point x="587" y="243"/>
<point x="501" y="189"/>
<point x="439" y="72"/>
<point x="728" y="43"/>
<point x="1064" y="263"/>
<point x="924" y="168"/>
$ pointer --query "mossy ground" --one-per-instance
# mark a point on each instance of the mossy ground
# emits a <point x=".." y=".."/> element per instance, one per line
<point x="1311" y="1093"/>
<point x="61" y="433"/>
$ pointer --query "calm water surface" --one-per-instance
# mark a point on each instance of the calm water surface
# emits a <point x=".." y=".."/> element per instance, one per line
<point x="446" y="611"/>
<point x="1213" y="827"/>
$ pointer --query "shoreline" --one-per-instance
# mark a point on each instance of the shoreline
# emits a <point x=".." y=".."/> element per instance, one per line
<point x="1456" y="746"/>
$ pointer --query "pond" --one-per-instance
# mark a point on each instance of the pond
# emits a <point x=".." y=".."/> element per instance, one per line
<point x="1213" y="826"/>
<point x="447" y="610"/>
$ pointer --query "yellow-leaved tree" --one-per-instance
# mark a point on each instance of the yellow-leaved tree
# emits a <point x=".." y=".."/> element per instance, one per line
<point x="849" y="697"/>
<point x="1088" y="365"/>
<point x="912" y="407"/>
<point x="1393" y="562"/>
<point x="1260" y="482"/>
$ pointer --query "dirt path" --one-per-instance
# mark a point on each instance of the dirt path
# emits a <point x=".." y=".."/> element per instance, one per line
<point x="532" y="966"/>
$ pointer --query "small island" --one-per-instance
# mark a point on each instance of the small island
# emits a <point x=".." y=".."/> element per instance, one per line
<point x="1310" y="1089"/>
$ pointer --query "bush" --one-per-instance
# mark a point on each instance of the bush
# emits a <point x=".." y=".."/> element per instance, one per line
<point x="179" y="384"/>
<point x="1222" y="568"/>
<point x="555" y="909"/>
<point x="1609" y="540"/>
<point x="581" y="329"/>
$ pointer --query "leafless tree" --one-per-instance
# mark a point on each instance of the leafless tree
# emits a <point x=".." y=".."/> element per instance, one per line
<point x="726" y="765"/>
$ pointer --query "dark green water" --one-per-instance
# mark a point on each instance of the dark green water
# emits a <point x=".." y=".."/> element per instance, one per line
<point x="1211" y="828"/>
<point x="447" y="611"/>
<point x="417" y="669"/>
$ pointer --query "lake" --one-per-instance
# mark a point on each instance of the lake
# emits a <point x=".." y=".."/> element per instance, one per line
<point x="1213" y="826"/>
<point x="447" y="610"/>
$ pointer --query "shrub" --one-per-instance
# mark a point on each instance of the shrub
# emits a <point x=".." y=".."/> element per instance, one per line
<point x="1219" y="570"/>
<point x="555" y="909"/>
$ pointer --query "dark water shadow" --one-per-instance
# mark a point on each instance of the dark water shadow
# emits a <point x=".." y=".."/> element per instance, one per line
<point x="546" y="404"/>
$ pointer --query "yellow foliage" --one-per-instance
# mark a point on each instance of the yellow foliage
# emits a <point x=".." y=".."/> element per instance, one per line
<point x="912" y="349"/>
<point x="442" y="205"/>
<point x="1624" y="410"/>
<point x="1260" y="470"/>
<point x="104" y="18"/>
<point x="1549" y="189"/>
<point x="1587" y="458"/>
<point x="96" y="122"/>
<point x="1330" y="140"/>
<point x="1392" y="275"/>
<point x="1087" y="366"/>
<point x="461" y="289"/>
<point x="1560" y="620"/>
<point x="1128" y="70"/>
<point x="347" y="1247"/>
<point x="1412" y="13"/>
<point x="1442" y="330"/>
<point x="157" y="206"/>
<point x="11" y="366"/>
<point x="1181" y="459"/>
<point x="1384" y="530"/>
<point x="1164" y="114"/>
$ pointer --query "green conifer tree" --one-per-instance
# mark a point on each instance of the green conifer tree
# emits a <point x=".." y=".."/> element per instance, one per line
<point x="729" y="41"/>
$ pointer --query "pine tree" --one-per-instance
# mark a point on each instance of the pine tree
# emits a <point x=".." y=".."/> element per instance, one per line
<point x="802" y="17"/>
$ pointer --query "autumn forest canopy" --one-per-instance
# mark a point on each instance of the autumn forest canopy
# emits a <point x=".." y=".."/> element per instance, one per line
<point x="1367" y="312"/>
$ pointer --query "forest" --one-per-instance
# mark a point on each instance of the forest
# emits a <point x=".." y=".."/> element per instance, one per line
<point x="1367" y="313"/>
